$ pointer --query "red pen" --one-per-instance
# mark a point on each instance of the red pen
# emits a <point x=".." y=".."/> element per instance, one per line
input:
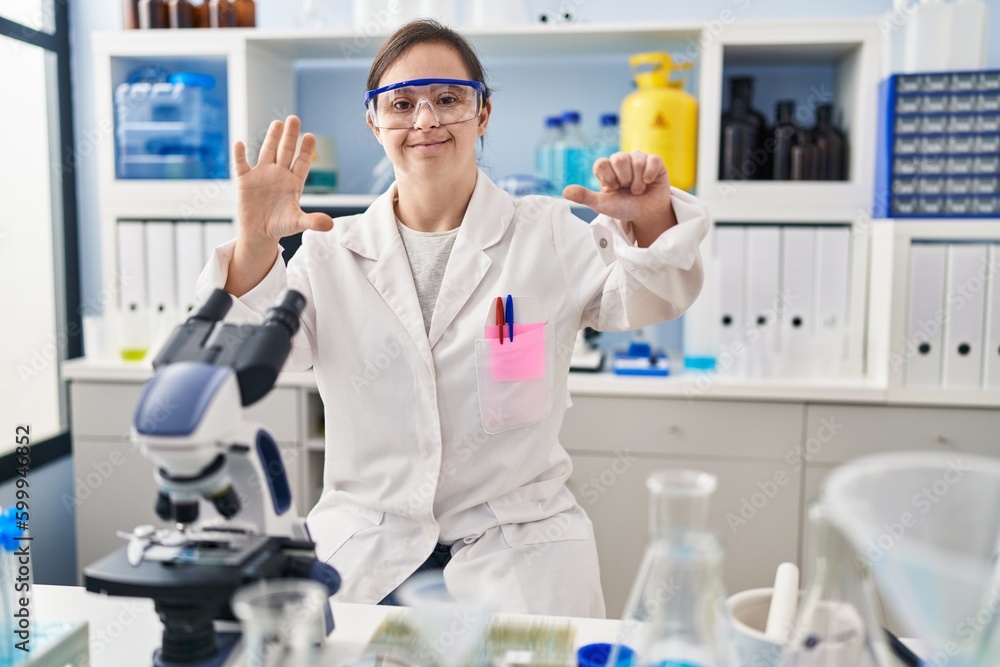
<point x="499" y="318"/>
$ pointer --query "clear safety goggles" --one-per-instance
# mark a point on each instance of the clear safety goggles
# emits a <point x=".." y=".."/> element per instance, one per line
<point x="395" y="107"/>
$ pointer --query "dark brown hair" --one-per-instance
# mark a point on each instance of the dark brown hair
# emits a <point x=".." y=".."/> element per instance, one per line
<point x="424" y="31"/>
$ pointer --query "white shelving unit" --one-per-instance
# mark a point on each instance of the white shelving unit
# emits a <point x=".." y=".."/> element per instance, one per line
<point x="853" y="49"/>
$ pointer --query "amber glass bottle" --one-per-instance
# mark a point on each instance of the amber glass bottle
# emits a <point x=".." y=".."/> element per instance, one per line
<point x="246" y="13"/>
<point x="221" y="14"/>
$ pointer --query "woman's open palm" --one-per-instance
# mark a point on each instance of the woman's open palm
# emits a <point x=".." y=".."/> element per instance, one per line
<point x="268" y="193"/>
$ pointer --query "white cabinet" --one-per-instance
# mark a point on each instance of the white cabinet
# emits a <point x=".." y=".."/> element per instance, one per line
<point x="756" y="516"/>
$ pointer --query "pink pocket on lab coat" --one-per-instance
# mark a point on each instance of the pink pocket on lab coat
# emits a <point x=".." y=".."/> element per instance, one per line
<point x="515" y="379"/>
<point x="520" y="359"/>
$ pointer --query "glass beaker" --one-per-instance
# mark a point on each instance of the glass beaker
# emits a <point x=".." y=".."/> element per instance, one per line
<point x="675" y="615"/>
<point x="283" y="620"/>
<point x="836" y="624"/>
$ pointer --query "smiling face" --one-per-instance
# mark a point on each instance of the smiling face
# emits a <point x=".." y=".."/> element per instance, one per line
<point x="430" y="150"/>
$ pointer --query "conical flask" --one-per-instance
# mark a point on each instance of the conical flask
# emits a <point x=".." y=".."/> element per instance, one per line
<point x="836" y="624"/>
<point x="675" y="615"/>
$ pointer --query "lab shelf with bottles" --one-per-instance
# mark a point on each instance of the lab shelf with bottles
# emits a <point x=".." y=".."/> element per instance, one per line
<point x="835" y="61"/>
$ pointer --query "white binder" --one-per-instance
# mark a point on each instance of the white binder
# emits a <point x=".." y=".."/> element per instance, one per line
<point x="764" y="302"/>
<point x="161" y="282"/>
<point x="132" y="265"/>
<point x="831" y="290"/>
<point x="991" y="349"/>
<point x="730" y="250"/>
<point x="796" y="317"/>
<point x="965" y="300"/>
<point x="922" y="351"/>
<point x="190" y="254"/>
<point x="217" y="233"/>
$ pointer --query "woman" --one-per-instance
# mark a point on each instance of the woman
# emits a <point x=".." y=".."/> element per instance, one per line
<point x="442" y="427"/>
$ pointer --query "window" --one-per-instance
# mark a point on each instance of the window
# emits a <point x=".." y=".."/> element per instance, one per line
<point x="39" y="282"/>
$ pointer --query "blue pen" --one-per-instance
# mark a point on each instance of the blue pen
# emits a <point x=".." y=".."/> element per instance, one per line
<point x="509" y="313"/>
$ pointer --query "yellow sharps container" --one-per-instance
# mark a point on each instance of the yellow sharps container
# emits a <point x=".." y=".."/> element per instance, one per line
<point x="661" y="118"/>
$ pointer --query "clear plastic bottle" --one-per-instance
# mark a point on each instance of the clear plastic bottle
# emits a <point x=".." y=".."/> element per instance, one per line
<point x="675" y="615"/>
<point x="544" y="165"/>
<point x="606" y="143"/>
<point x="570" y="154"/>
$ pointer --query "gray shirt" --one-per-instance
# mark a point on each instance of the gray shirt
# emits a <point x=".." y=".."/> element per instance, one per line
<point x="428" y="253"/>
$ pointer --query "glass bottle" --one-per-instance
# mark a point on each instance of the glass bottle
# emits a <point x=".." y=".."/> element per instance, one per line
<point x="836" y="624"/>
<point x="675" y="615"/>
<point x="804" y="159"/>
<point x="245" y="12"/>
<point x="199" y="14"/>
<point x="785" y="132"/>
<point x="181" y="13"/>
<point x="831" y="147"/>
<point x="130" y="14"/>
<point x="153" y="14"/>
<point x="221" y="14"/>
<point x="739" y="143"/>
<point x="741" y="96"/>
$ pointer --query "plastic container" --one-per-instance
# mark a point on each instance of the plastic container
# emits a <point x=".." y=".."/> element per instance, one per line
<point x="661" y="118"/>
<point x="544" y="152"/>
<point x="172" y="130"/>
<point x="569" y="154"/>
<point x="927" y="37"/>
<point x="927" y="524"/>
<point x="605" y="144"/>
<point x="283" y="620"/>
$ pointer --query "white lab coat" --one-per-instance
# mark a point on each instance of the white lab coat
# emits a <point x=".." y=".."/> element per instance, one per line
<point x="418" y="450"/>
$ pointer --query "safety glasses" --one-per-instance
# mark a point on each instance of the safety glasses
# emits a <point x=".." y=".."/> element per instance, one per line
<point x="450" y="101"/>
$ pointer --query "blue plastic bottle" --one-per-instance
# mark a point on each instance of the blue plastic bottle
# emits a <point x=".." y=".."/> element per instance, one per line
<point x="605" y="144"/>
<point x="572" y="165"/>
<point x="544" y="165"/>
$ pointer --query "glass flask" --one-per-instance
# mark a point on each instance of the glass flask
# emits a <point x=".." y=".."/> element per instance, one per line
<point x="675" y="615"/>
<point x="836" y="624"/>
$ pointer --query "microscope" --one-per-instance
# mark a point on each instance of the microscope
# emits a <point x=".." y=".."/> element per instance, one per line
<point x="189" y="421"/>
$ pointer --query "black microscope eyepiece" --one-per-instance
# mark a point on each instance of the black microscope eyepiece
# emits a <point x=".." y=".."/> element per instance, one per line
<point x="288" y="312"/>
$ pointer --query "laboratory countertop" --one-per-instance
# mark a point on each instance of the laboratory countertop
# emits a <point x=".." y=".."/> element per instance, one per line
<point x="692" y="387"/>
<point x="123" y="631"/>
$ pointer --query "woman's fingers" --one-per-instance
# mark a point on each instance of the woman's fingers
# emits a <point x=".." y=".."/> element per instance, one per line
<point x="606" y="175"/>
<point x="240" y="163"/>
<point x="269" y="148"/>
<point x="320" y="222"/>
<point x="638" y="162"/>
<point x="289" y="141"/>
<point x="622" y="165"/>
<point x="302" y="163"/>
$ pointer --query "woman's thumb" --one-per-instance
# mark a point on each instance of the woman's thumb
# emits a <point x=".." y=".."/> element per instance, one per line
<point x="581" y="195"/>
<point x="318" y="222"/>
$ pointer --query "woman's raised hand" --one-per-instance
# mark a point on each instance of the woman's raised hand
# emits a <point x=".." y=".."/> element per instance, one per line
<point x="635" y="187"/>
<point x="268" y="194"/>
